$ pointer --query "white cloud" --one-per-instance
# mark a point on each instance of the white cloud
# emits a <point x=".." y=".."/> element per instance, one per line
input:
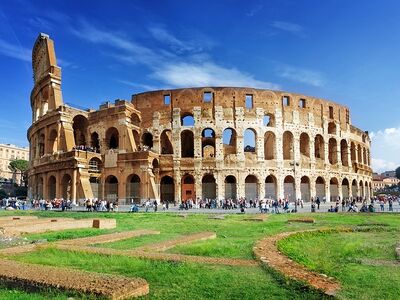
<point x="139" y="85"/>
<point x="15" y="51"/>
<point x="196" y="68"/>
<point x="310" y="77"/>
<point x="385" y="149"/>
<point x="254" y="10"/>
<point x="292" y="28"/>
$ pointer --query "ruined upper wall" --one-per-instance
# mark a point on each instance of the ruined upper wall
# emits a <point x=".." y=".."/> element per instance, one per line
<point x="230" y="98"/>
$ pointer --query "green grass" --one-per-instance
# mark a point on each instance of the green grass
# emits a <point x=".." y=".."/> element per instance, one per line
<point x="348" y="257"/>
<point x="235" y="238"/>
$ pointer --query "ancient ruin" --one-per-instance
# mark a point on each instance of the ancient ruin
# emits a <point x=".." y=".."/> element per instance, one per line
<point x="192" y="143"/>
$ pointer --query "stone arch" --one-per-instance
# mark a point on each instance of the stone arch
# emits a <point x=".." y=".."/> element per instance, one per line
<point x="320" y="187"/>
<point x="361" y="189"/>
<point x="334" y="188"/>
<point x="208" y="187"/>
<point x="287" y="145"/>
<point x="289" y="190"/>
<point x="51" y="187"/>
<point x="353" y="152"/>
<point x="133" y="192"/>
<point x="230" y="187"/>
<point x="39" y="188"/>
<point x="53" y="141"/>
<point x="250" y="140"/>
<point x="305" y="145"/>
<point x="305" y="188"/>
<point x="95" y="141"/>
<point x="345" y="188"/>
<point x="344" y="152"/>
<point x="251" y="190"/>
<point x="270" y="187"/>
<point x="331" y="128"/>
<point x="111" y="188"/>
<point x="41" y="144"/>
<point x="319" y="147"/>
<point x="187" y="143"/>
<point x="66" y="187"/>
<point x="188" y="187"/>
<point x="167" y="189"/>
<point x="135" y="119"/>
<point x="229" y="138"/>
<point x="333" y="151"/>
<point x="365" y="156"/>
<point x="112" y="138"/>
<point x="269" y="145"/>
<point x="208" y="143"/>
<point x="354" y="188"/>
<point x="166" y="142"/>
<point x="95" y="165"/>
<point x="269" y="120"/>
<point x="359" y="154"/>
<point x="147" y="140"/>
<point x="80" y="125"/>
<point x="187" y="119"/>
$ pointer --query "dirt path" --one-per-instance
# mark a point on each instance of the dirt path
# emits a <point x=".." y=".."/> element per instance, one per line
<point x="267" y="252"/>
<point x="30" y="276"/>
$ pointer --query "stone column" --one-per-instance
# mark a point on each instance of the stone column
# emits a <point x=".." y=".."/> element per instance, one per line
<point x="340" y="190"/>
<point x="297" y="186"/>
<point x="220" y="186"/>
<point x="73" y="187"/>
<point x="177" y="186"/>
<point x="261" y="189"/>
<point x="280" y="191"/>
<point x="313" y="190"/>
<point x="327" y="191"/>
<point x="58" y="185"/>
<point x="219" y="148"/>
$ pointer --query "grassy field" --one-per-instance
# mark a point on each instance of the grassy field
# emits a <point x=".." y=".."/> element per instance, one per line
<point x="352" y="258"/>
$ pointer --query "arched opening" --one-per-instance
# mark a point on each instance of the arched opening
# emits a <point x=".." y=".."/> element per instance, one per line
<point x="353" y="153"/>
<point x="187" y="143"/>
<point x="112" y="138"/>
<point x="367" y="192"/>
<point x="365" y="156"/>
<point x="133" y="188"/>
<point x="250" y="187"/>
<point x="320" y="188"/>
<point x="187" y="120"/>
<point x="135" y="120"/>
<point x="66" y="187"/>
<point x="269" y="120"/>
<point x="289" y="188"/>
<point x="167" y="189"/>
<point x="305" y="145"/>
<point x="332" y="151"/>
<point x="111" y="188"/>
<point x="95" y="165"/>
<point x="41" y="145"/>
<point x="269" y="145"/>
<point x="136" y="140"/>
<point x="359" y="154"/>
<point x="188" y="191"/>
<point x="166" y="142"/>
<point x="208" y="143"/>
<point x="53" y="141"/>
<point x="230" y="187"/>
<point x="208" y="187"/>
<point x="344" y="152"/>
<point x="354" y="189"/>
<point x="334" y="189"/>
<point x="270" y="187"/>
<point x="368" y="158"/>
<point x="345" y="188"/>
<point x="79" y="125"/>
<point x="250" y="140"/>
<point x="147" y="140"/>
<point x="361" y="189"/>
<point x="305" y="189"/>
<point x="229" y="141"/>
<point x="287" y="145"/>
<point x="39" y="189"/>
<point x="331" y="128"/>
<point x="95" y="141"/>
<point x="51" y="186"/>
<point x="319" y="150"/>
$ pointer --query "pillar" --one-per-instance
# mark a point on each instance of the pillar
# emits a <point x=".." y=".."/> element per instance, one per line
<point x="73" y="187"/>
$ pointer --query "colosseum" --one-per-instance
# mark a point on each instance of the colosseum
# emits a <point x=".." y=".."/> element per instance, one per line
<point x="191" y="143"/>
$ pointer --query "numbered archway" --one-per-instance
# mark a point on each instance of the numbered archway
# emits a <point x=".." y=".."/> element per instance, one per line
<point x="289" y="188"/>
<point x="66" y="187"/>
<point x="270" y="187"/>
<point x="345" y="189"/>
<point x="250" y="187"/>
<point x="133" y="188"/>
<point x="230" y="187"/>
<point x="51" y="187"/>
<point x="208" y="187"/>
<point x="305" y="189"/>
<point x="167" y="189"/>
<point x="334" y="189"/>
<point x="187" y="185"/>
<point x="320" y="188"/>
<point x="111" y="188"/>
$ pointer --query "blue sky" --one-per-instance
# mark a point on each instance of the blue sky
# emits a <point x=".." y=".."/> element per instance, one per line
<point x="346" y="51"/>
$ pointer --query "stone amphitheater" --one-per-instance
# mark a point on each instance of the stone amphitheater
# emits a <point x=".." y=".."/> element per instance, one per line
<point x="191" y="143"/>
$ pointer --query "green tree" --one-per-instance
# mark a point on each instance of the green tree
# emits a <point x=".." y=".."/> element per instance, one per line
<point x="398" y="172"/>
<point x="19" y="166"/>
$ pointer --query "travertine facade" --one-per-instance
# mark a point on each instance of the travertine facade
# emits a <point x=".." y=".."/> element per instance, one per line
<point x="211" y="142"/>
<point x="9" y="152"/>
